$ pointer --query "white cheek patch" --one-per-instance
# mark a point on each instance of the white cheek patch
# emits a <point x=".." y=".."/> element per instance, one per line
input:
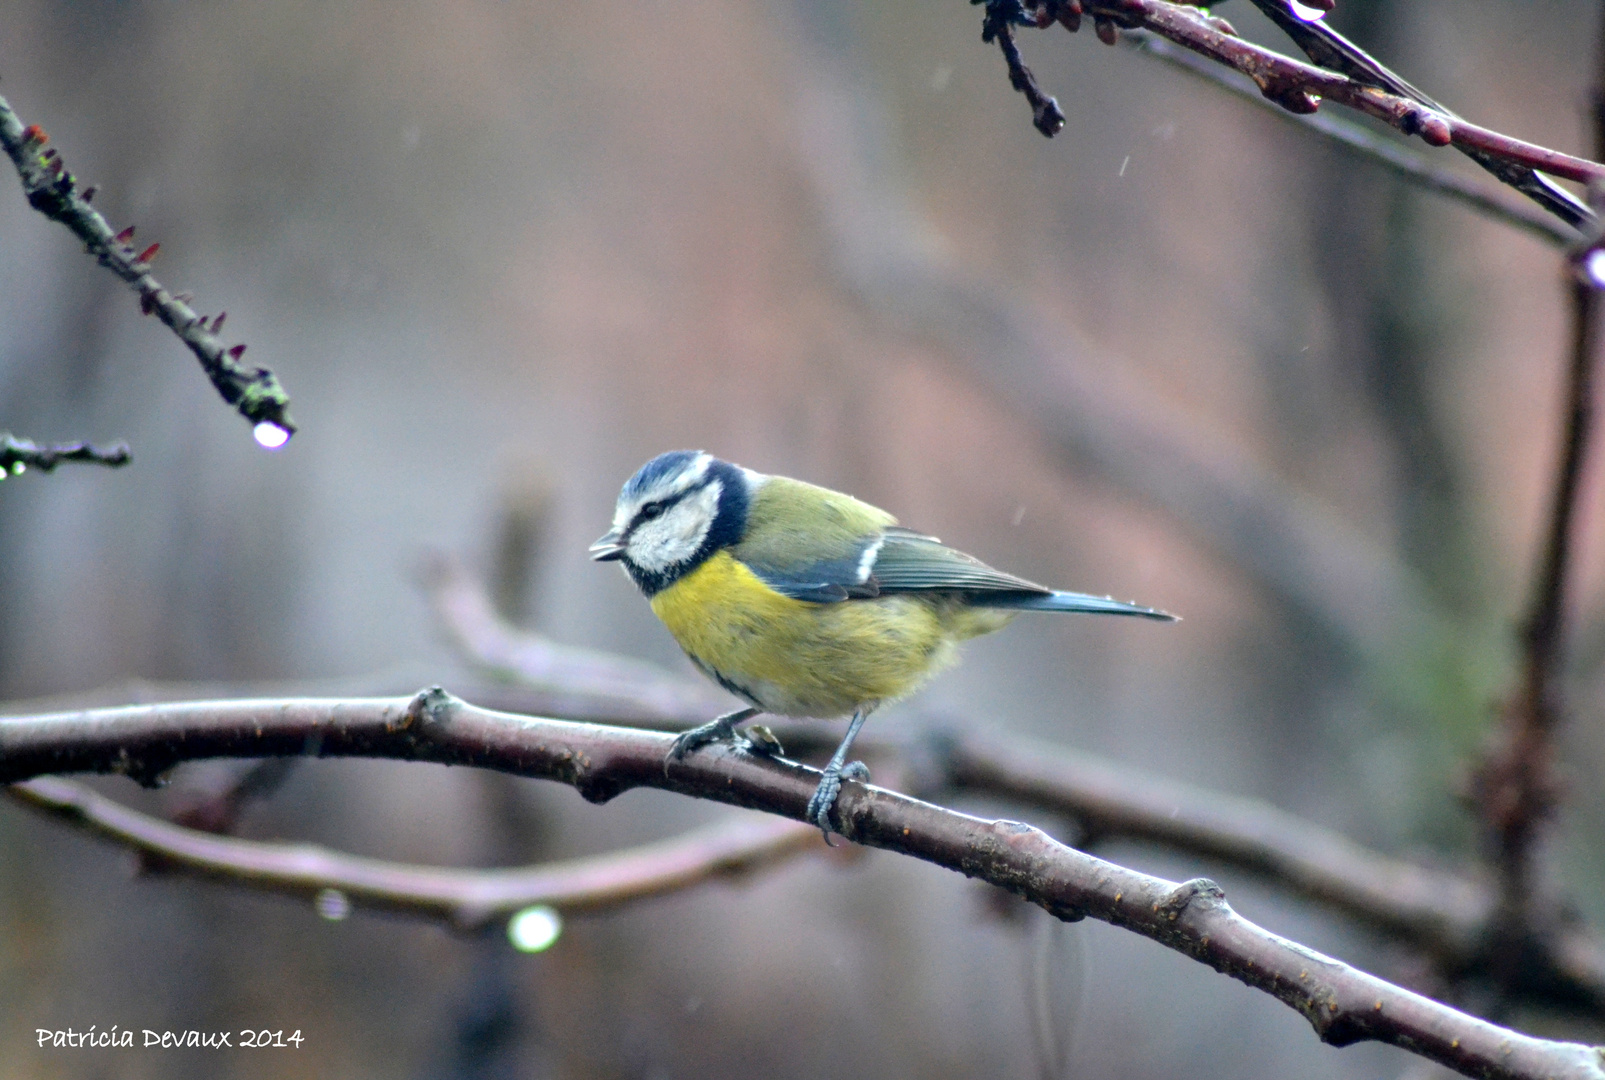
<point x="674" y="538"/>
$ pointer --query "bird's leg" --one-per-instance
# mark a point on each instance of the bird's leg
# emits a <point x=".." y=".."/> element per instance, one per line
<point x="722" y="729"/>
<point x="830" y="784"/>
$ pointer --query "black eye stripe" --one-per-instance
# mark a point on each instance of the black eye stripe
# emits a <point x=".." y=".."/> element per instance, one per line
<point x="658" y="507"/>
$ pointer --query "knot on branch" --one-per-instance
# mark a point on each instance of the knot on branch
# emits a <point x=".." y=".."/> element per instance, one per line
<point x="431" y="705"/>
<point x="1432" y="126"/>
<point x="592" y="786"/>
<point x="1186" y="893"/>
<point x="1288" y="93"/>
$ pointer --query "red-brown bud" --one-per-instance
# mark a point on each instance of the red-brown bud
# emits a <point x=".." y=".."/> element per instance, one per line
<point x="1435" y="130"/>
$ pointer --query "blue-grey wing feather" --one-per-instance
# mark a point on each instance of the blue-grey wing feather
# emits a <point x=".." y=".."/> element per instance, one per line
<point x="825" y="581"/>
<point x="910" y="562"/>
<point x="896" y="560"/>
<point x="899" y="560"/>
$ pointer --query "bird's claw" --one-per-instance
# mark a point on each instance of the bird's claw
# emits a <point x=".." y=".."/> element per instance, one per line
<point x="824" y="797"/>
<point x="695" y="739"/>
<point x="722" y="729"/>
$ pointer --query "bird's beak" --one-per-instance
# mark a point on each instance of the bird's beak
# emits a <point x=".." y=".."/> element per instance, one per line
<point x="608" y="548"/>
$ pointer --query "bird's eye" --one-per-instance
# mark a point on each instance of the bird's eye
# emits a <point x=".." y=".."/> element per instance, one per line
<point x="651" y="510"/>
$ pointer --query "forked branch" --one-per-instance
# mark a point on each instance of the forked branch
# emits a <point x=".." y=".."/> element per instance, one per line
<point x="1346" y="75"/>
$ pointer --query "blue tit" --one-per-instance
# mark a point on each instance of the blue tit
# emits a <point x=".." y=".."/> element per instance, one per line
<point x="804" y="601"/>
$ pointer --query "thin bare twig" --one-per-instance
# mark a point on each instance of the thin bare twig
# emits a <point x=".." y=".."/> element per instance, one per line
<point x="998" y="25"/>
<point x="1330" y="49"/>
<point x="1351" y="136"/>
<point x="1356" y="81"/>
<point x="19" y="455"/>
<point x="1343" y="1005"/>
<point x="468" y="899"/>
<point x="53" y="191"/>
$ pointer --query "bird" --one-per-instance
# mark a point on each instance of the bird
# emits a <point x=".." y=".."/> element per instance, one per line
<point x="803" y="601"/>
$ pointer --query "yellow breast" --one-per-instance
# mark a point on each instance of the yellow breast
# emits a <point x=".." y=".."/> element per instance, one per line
<point x="796" y="658"/>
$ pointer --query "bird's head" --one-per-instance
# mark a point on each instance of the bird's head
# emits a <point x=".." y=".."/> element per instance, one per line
<point x="676" y="511"/>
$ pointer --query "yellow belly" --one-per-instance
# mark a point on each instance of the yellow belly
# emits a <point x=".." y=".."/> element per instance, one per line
<point x="796" y="658"/>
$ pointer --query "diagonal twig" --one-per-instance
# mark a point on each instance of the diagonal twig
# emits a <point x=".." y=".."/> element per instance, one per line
<point x="1370" y="146"/>
<point x="1332" y="50"/>
<point x="254" y="392"/>
<point x="1362" y="85"/>
<point x="1342" y="1004"/>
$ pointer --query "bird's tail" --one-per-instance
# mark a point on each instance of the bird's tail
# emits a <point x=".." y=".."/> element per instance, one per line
<point x="1068" y="601"/>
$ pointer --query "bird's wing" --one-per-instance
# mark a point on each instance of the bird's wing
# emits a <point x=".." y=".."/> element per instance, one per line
<point x="910" y="562"/>
<point x="893" y="560"/>
<point x="828" y="581"/>
<point x="811" y="543"/>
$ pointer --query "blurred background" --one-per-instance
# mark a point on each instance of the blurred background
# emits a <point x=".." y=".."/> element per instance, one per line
<point x="501" y="254"/>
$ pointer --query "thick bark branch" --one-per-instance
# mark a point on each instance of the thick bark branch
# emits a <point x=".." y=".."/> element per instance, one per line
<point x="1344" y="1005"/>
<point x="1443" y="913"/>
<point x="468" y="899"/>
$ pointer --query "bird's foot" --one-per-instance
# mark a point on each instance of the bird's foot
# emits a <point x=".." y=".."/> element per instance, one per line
<point x="830" y="786"/>
<point x="721" y="730"/>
